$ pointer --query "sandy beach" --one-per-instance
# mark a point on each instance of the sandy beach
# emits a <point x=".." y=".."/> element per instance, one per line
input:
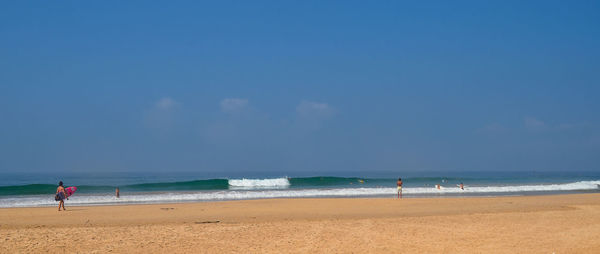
<point x="524" y="224"/>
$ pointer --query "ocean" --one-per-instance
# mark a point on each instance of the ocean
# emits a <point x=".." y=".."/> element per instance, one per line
<point x="37" y="189"/>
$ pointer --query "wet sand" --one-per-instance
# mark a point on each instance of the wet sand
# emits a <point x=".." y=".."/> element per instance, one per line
<point x="525" y="224"/>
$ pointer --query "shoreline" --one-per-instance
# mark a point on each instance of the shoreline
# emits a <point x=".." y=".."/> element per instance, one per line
<point x="406" y="196"/>
<point x="176" y="197"/>
<point x="535" y="224"/>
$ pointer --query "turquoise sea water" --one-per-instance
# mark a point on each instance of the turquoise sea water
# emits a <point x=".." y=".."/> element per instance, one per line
<point x="37" y="189"/>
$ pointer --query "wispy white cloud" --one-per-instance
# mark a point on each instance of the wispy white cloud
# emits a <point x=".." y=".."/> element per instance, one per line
<point x="314" y="109"/>
<point x="166" y="103"/>
<point x="566" y="126"/>
<point x="163" y="115"/>
<point x="311" y="115"/>
<point x="535" y="124"/>
<point x="230" y="105"/>
<point x="532" y="123"/>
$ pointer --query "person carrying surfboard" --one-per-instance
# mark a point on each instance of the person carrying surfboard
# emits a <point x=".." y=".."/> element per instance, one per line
<point x="61" y="195"/>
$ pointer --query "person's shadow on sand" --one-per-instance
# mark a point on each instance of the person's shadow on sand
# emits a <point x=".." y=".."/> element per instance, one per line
<point x="75" y="209"/>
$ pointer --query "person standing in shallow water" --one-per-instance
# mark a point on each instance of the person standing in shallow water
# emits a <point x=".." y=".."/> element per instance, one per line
<point x="61" y="195"/>
<point x="399" y="183"/>
<point x="117" y="192"/>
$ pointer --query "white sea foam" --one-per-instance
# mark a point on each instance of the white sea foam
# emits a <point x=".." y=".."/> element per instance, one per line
<point x="99" y="199"/>
<point x="258" y="183"/>
<point x="582" y="185"/>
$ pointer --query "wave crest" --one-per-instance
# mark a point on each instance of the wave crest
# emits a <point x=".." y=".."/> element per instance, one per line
<point x="259" y="183"/>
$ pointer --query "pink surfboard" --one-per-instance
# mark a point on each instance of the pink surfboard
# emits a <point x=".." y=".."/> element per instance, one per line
<point x="70" y="190"/>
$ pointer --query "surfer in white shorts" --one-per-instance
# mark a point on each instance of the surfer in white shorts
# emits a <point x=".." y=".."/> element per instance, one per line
<point x="399" y="187"/>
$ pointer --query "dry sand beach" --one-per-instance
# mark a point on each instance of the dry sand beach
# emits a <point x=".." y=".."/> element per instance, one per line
<point x="524" y="224"/>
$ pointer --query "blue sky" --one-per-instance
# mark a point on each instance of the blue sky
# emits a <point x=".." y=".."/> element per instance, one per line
<point x="299" y="86"/>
